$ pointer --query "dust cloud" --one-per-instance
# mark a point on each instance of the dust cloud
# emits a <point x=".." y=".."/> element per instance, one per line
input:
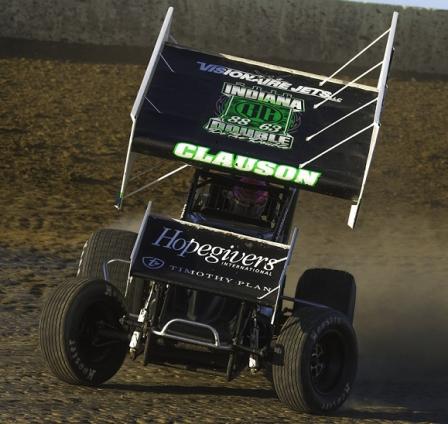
<point x="399" y="258"/>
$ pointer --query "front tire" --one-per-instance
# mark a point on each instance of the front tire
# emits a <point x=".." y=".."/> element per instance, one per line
<point x="104" y="245"/>
<point x="75" y="349"/>
<point x="315" y="360"/>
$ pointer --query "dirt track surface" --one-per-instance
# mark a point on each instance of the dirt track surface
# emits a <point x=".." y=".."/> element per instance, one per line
<point x="63" y="137"/>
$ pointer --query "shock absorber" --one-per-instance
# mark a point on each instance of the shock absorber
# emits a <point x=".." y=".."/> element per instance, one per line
<point x="254" y="360"/>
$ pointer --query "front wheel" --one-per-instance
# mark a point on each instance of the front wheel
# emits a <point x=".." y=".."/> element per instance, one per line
<point x="315" y="360"/>
<point x="80" y="334"/>
<point x="103" y="246"/>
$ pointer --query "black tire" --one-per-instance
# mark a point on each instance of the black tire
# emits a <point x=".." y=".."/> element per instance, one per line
<point x="104" y="245"/>
<point x="68" y="331"/>
<point x="315" y="360"/>
<point x="330" y="287"/>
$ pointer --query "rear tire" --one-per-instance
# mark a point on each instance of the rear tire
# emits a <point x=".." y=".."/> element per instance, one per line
<point x="330" y="287"/>
<point x="101" y="247"/>
<point x="68" y="332"/>
<point x="315" y="360"/>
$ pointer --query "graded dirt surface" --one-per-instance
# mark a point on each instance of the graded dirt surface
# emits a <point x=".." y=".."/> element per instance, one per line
<point x="63" y="135"/>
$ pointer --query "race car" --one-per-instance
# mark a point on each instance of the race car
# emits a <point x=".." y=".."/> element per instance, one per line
<point x="207" y="289"/>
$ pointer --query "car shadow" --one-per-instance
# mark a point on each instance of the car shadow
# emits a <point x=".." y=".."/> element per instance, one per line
<point x="194" y="390"/>
<point x="375" y="408"/>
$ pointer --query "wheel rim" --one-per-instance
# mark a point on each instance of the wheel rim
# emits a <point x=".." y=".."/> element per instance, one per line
<point x="92" y="344"/>
<point x="328" y="358"/>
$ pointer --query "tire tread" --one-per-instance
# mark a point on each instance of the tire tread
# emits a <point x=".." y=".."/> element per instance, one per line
<point x="292" y="338"/>
<point x="103" y="245"/>
<point x="55" y="319"/>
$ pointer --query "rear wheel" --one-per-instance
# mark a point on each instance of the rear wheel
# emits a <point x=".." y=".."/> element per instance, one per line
<point x="330" y="287"/>
<point x="315" y="360"/>
<point x="80" y="335"/>
<point x="101" y="247"/>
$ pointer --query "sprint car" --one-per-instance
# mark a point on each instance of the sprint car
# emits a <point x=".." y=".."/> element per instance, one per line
<point x="207" y="289"/>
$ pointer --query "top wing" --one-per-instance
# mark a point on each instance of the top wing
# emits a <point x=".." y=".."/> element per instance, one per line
<point x="217" y="112"/>
<point x="246" y="117"/>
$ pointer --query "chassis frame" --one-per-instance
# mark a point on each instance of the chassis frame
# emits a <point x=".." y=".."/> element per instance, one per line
<point x="149" y="323"/>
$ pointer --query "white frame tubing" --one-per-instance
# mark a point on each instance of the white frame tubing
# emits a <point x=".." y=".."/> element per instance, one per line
<point x="349" y="84"/>
<point x="157" y="180"/>
<point x="161" y="39"/>
<point x="167" y="64"/>
<point x="335" y="146"/>
<point x="130" y="157"/>
<point x="382" y="81"/>
<point x="354" y="58"/>
<point x="309" y="138"/>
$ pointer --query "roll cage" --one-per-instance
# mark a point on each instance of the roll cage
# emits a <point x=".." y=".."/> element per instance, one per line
<point x="210" y="208"/>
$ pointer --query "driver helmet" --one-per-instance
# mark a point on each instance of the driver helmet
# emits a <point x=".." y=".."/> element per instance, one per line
<point x="249" y="201"/>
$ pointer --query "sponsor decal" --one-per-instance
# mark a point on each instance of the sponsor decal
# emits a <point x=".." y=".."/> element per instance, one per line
<point x="202" y="258"/>
<point x="153" y="263"/>
<point x="172" y="239"/>
<point x="266" y="81"/>
<point x="219" y="278"/>
<point x="257" y="116"/>
<point x="89" y="373"/>
<point x="263" y="168"/>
